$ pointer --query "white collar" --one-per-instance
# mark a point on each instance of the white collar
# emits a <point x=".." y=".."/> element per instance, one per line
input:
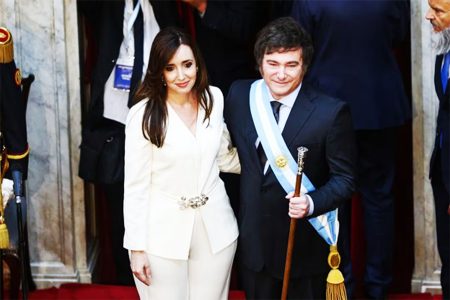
<point x="288" y="100"/>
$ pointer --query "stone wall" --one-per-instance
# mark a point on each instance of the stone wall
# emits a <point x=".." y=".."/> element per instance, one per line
<point x="45" y="37"/>
<point x="425" y="105"/>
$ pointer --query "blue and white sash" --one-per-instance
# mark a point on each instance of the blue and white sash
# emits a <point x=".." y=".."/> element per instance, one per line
<point x="283" y="165"/>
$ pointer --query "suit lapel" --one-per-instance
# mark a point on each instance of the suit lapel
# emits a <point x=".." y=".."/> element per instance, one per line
<point x="300" y="113"/>
<point x="437" y="77"/>
<point x="251" y="136"/>
<point x="442" y="95"/>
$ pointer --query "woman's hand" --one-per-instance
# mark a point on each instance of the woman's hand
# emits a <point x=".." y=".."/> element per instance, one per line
<point x="140" y="266"/>
<point x="298" y="206"/>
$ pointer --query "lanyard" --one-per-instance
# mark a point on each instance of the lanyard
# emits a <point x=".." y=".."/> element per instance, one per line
<point x="128" y="28"/>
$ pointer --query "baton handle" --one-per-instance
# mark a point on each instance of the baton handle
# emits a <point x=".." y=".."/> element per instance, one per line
<point x="290" y="246"/>
<point x="293" y="224"/>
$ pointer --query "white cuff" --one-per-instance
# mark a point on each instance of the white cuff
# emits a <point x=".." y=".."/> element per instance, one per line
<point x="311" y="205"/>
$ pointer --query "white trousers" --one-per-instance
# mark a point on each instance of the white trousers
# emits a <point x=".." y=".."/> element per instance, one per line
<point x="204" y="276"/>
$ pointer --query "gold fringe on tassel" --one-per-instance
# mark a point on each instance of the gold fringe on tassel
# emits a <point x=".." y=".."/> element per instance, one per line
<point x="335" y="280"/>
<point x="4" y="235"/>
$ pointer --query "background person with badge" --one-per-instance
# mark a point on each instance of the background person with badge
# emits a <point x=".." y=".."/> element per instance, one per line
<point x="268" y="120"/>
<point x="123" y="33"/>
<point x="179" y="225"/>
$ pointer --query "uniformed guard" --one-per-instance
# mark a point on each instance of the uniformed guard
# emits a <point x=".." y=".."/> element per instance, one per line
<point x="12" y="109"/>
<point x="14" y="147"/>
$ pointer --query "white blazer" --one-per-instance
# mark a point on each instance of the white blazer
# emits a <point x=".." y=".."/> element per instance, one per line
<point x="186" y="165"/>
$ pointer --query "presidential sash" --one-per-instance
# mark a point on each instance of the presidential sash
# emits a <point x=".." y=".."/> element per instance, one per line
<point x="283" y="165"/>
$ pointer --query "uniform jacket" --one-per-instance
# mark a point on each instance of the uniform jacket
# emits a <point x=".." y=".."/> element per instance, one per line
<point x="156" y="179"/>
<point x="323" y="125"/>
<point x="12" y="110"/>
<point x="442" y="127"/>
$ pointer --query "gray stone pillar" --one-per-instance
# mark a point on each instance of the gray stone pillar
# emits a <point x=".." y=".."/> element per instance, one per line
<point x="425" y="104"/>
<point x="45" y="37"/>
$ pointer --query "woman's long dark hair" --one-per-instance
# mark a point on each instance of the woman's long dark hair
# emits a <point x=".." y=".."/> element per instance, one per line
<point x="164" y="46"/>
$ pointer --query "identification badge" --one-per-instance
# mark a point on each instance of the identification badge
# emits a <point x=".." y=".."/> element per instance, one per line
<point x="122" y="77"/>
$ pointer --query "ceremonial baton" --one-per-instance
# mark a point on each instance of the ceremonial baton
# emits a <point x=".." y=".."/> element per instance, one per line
<point x="293" y="225"/>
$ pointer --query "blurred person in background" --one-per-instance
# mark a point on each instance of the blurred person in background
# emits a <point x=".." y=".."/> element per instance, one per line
<point x="439" y="17"/>
<point x="354" y="61"/>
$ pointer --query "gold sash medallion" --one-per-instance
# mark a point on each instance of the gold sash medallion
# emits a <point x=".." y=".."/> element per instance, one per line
<point x="281" y="161"/>
<point x="18" y="77"/>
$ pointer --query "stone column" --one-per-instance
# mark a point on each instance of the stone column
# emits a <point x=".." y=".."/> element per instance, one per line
<point x="425" y="105"/>
<point x="45" y="37"/>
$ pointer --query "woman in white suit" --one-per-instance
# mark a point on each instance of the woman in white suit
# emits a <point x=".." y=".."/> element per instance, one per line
<point x="179" y="225"/>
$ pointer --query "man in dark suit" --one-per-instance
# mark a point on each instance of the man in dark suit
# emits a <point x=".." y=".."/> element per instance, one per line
<point x="439" y="16"/>
<point x="307" y="118"/>
<point x="354" y="61"/>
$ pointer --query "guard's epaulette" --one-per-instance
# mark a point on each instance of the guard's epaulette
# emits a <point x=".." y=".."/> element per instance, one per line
<point x="6" y="46"/>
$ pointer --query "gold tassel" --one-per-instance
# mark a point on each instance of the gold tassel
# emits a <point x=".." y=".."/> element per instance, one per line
<point x="6" y="46"/>
<point x="4" y="235"/>
<point x="335" y="280"/>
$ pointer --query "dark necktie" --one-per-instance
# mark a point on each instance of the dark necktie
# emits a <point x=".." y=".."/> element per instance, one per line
<point x="444" y="71"/>
<point x="276" y="113"/>
<point x="138" y="32"/>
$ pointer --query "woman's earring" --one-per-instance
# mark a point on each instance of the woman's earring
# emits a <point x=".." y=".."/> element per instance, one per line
<point x="164" y="83"/>
<point x="197" y="69"/>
